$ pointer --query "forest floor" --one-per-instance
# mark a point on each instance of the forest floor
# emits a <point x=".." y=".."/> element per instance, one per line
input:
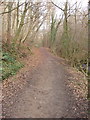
<point x="45" y="88"/>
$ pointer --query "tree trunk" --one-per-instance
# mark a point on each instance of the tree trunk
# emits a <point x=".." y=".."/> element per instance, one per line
<point x="9" y="24"/>
<point x="18" y="31"/>
<point x="66" y="17"/>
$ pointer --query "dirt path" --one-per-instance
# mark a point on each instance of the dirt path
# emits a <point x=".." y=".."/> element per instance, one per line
<point x="46" y="94"/>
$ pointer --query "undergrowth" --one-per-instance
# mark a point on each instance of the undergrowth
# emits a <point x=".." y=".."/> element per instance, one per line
<point x="78" y="61"/>
<point x="10" y="64"/>
<point x="12" y="59"/>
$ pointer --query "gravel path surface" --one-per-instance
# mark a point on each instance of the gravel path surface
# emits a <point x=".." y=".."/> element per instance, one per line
<point x="45" y="94"/>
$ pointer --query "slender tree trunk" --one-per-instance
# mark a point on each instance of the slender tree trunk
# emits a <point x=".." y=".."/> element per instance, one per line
<point x="9" y="24"/>
<point x="17" y="14"/>
<point x="18" y="31"/>
<point x="66" y="17"/>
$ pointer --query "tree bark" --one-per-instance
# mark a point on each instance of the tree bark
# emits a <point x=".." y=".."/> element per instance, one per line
<point x="9" y="24"/>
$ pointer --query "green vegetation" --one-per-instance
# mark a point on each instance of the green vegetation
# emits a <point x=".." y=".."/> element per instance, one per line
<point x="66" y="39"/>
<point x="10" y="65"/>
<point x="19" y="29"/>
<point x="62" y="32"/>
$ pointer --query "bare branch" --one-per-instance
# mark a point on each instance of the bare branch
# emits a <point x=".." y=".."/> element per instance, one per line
<point x="57" y="6"/>
<point x="12" y="9"/>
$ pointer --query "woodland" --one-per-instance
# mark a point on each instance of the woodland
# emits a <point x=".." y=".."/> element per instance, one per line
<point x="44" y="58"/>
<point x="61" y="28"/>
